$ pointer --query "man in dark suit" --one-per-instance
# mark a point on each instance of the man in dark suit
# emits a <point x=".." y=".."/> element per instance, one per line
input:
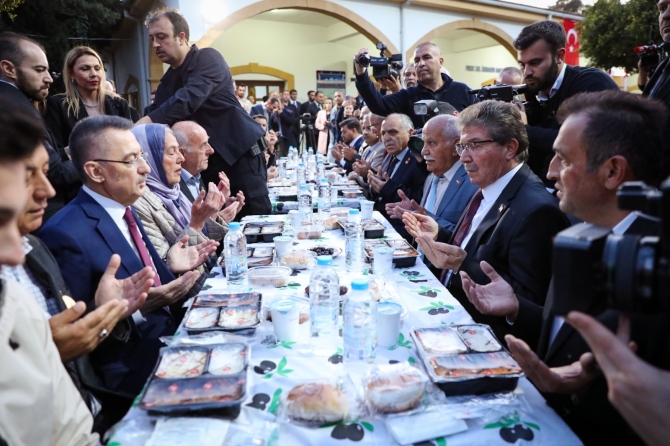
<point x="290" y="124"/>
<point x="24" y="79"/>
<point x="509" y="223"/>
<point x="550" y="81"/>
<point x="198" y="86"/>
<point x="347" y="152"/>
<point x="400" y="170"/>
<point x="194" y="144"/>
<point x="98" y="223"/>
<point x="312" y="107"/>
<point x="606" y="139"/>
<point x="447" y="190"/>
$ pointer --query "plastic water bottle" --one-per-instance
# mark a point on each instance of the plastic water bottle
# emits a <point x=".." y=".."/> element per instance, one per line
<point x="311" y="168"/>
<point x="281" y="167"/>
<point x="324" y="302"/>
<point x="300" y="173"/>
<point x="305" y="205"/>
<point x="320" y="171"/>
<point x="324" y="199"/>
<point x="235" y="252"/>
<point x="360" y="324"/>
<point x="354" y="242"/>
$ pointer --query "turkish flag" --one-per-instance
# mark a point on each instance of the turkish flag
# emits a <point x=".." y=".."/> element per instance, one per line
<point x="571" y="43"/>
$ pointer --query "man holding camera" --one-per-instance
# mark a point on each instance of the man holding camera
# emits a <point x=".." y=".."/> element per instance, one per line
<point x="606" y="138"/>
<point x="550" y="81"/>
<point x="432" y="84"/>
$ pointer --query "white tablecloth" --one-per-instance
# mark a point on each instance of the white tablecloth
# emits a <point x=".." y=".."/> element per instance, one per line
<point x="288" y="364"/>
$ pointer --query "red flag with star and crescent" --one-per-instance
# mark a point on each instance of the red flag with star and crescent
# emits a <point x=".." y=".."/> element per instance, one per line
<point x="571" y="42"/>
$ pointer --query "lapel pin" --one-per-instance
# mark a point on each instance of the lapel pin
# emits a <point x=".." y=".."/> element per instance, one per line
<point x="458" y="181"/>
<point x="407" y="161"/>
<point x="500" y="209"/>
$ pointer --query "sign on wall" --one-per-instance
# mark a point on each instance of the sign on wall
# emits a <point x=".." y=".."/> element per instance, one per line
<point x="331" y="81"/>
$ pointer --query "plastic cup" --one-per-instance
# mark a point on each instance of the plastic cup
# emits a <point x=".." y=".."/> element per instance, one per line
<point x="283" y="245"/>
<point x="366" y="209"/>
<point x="286" y="319"/>
<point x="382" y="260"/>
<point x="294" y="215"/>
<point x="388" y="323"/>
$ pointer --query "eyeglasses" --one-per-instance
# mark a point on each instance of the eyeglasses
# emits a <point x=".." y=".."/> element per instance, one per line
<point x="132" y="163"/>
<point x="470" y="146"/>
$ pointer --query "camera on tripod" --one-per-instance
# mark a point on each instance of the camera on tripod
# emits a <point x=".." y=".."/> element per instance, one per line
<point x="382" y="67"/>
<point x="595" y="270"/>
<point x="651" y="55"/>
<point x="499" y="92"/>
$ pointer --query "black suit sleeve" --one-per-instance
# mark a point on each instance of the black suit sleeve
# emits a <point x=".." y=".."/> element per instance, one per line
<point x="382" y="105"/>
<point x="209" y="71"/>
<point x="61" y="172"/>
<point x="287" y="119"/>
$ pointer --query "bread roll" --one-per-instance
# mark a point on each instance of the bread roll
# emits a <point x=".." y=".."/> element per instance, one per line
<point x="395" y="392"/>
<point x="317" y="403"/>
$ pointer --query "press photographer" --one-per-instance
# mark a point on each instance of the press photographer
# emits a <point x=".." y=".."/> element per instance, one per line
<point x="432" y="85"/>
<point x="549" y="81"/>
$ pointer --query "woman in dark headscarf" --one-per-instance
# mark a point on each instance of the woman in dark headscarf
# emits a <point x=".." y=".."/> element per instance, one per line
<point x="166" y="214"/>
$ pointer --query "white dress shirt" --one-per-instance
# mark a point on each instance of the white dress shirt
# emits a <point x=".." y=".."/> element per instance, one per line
<point x="491" y="194"/>
<point x="619" y="229"/>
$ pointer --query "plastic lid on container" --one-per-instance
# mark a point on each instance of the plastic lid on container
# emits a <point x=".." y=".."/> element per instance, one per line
<point x="301" y="164"/>
<point x="354" y="212"/>
<point x="324" y="180"/>
<point x="304" y="186"/>
<point x="233" y="225"/>
<point x="324" y="260"/>
<point x="389" y="308"/>
<point x="284" y="305"/>
<point x="360" y="284"/>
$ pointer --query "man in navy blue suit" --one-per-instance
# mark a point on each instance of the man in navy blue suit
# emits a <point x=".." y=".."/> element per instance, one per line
<point x="346" y="152"/>
<point x="98" y="223"/>
<point x="400" y="170"/>
<point x="447" y="190"/>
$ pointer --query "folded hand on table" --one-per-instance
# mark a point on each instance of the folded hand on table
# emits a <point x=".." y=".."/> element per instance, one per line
<point x="441" y="255"/>
<point x="182" y="258"/>
<point x="417" y="224"/>
<point x="169" y="293"/>
<point x="496" y="298"/>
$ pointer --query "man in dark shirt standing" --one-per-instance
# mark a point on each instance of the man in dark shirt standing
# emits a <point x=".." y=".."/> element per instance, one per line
<point x="541" y="56"/>
<point x="432" y="85"/>
<point x="198" y="86"/>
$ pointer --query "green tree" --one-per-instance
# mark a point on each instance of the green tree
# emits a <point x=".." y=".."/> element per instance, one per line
<point x="573" y="6"/>
<point x="60" y="25"/>
<point x="611" y="30"/>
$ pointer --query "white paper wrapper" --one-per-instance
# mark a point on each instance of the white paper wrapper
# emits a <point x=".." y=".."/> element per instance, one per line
<point x="423" y="425"/>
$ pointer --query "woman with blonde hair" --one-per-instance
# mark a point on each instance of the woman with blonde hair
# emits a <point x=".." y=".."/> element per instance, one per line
<point x="85" y="94"/>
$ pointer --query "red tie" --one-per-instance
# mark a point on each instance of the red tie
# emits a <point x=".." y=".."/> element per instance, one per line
<point x="464" y="228"/>
<point x="139" y="244"/>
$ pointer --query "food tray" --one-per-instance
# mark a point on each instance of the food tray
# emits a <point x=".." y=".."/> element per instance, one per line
<point x="276" y="276"/>
<point x="466" y="359"/>
<point x="198" y="378"/>
<point x="223" y="312"/>
<point x="372" y="228"/>
<point x="404" y="254"/>
<point x="255" y="256"/>
<point x="262" y="231"/>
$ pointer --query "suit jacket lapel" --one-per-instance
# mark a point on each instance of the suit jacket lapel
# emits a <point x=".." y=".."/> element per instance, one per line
<point x="454" y="185"/>
<point x="426" y="189"/>
<point x="110" y="233"/>
<point x="662" y="90"/>
<point x="499" y="207"/>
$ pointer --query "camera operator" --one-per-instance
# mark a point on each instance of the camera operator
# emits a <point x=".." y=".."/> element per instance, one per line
<point x="658" y="87"/>
<point x="432" y="85"/>
<point x="606" y="139"/>
<point x="550" y="81"/>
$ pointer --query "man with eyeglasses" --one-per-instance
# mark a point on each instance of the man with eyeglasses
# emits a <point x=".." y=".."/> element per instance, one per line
<point x="98" y="223"/>
<point x="509" y="223"/>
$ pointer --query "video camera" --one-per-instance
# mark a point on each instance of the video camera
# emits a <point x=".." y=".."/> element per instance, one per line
<point x="382" y="67"/>
<point x="499" y="92"/>
<point x="651" y="55"/>
<point x="595" y="270"/>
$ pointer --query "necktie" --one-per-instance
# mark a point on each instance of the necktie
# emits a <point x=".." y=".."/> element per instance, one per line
<point x="464" y="228"/>
<point x="139" y="244"/>
<point x="432" y="195"/>
<point x="392" y="165"/>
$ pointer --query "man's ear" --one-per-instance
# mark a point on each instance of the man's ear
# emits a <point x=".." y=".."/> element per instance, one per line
<point x="512" y="147"/>
<point x="615" y="171"/>
<point x="560" y="55"/>
<point x="182" y="36"/>
<point x="94" y="172"/>
<point x="7" y="69"/>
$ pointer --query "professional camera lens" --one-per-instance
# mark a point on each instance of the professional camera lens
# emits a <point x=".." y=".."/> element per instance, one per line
<point x="364" y="60"/>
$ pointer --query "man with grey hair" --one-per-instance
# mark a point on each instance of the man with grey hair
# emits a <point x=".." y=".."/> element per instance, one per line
<point x="509" y="76"/>
<point x="400" y="171"/>
<point x="509" y="223"/>
<point x="447" y="190"/>
<point x="432" y="84"/>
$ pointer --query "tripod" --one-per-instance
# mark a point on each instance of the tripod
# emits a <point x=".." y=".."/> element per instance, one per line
<point x="308" y="137"/>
